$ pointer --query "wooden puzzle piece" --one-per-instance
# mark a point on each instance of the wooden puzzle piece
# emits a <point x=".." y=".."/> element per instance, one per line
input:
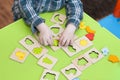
<point x="76" y="79"/>
<point x="53" y="73"/>
<point x="47" y="61"/>
<point x="82" y="62"/>
<point x="33" y="46"/>
<point x="90" y="30"/>
<point x="56" y="30"/>
<point x="55" y="45"/>
<point x="113" y="59"/>
<point x="71" y="72"/>
<point x="93" y="55"/>
<point x="105" y="51"/>
<point x="72" y="49"/>
<point x="19" y="55"/>
<point x="82" y="26"/>
<point x="83" y="43"/>
<point x="90" y="36"/>
<point x="61" y="18"/>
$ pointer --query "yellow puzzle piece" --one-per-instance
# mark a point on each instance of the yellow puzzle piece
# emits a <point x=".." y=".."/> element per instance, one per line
<point x="82" y="26"/>
<point x="20" y="55"/>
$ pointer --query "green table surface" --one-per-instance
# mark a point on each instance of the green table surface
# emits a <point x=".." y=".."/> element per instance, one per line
<point x="30" y="70"/>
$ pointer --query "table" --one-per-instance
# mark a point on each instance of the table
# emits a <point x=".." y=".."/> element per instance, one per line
<point x="30" y="70"/>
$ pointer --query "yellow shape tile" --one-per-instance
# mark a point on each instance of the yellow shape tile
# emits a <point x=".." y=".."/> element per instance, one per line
<point x="82" y="26"/>
<point x="20" y="55"/>
<point x="83" y="42"/>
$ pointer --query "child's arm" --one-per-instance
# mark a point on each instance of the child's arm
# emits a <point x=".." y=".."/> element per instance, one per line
<point x="74" y="12"/>
<point x="29" y="14"/>
<point x="36" y="22"/>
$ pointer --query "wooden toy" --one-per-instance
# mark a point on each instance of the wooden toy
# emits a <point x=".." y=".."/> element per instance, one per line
<point x="105" y="51"/>
<point x="19" y="55"/>
<point x="74" y="47"/>
<point x="56" y="26"/>
<point x="113" y="59"/>
<point x="33" y="46"/>
<point x="47" y="61"/>
<point x="82" y="26"/>
<point x="82" y="67"/>
<point x="94" y="59"/>
<point x="55" y="45"/>
<point x="89" y="30"/>
<point x="55" y="74"/>
<point x="83" y="42"/>
<point x="90" y="36"/>
<point x="61" y="18"/>
<point x="71" y="75"/>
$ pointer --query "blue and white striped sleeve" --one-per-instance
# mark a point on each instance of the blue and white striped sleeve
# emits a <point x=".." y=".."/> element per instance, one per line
<point x="29" y="14"/>
<point x="74" y="12"/>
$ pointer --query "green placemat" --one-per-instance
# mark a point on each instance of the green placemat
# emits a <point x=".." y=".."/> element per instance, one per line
<point x="30" y="70"/>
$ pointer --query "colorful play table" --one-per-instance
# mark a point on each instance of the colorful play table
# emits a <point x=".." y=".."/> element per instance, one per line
<point x="30" y="70"/>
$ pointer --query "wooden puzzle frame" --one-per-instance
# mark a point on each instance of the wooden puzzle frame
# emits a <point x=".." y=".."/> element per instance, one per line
<point x="61" y="18"/>
<point x="94" y="60"/>
<point x="51" y="72"/>
<point x="78" y="49"/>
<point x="34" y="45"/>
<point x="89" y="43"/>
<point x="83" y="67"/>
<point x="56" y="26"/>
<point x="71" y="76"/>
<point x="45" y="65"/>
<point x="14" y="57"/>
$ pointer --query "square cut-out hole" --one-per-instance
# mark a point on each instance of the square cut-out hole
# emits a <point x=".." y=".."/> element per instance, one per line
<point x="29" y="41"/>
<point x="82" y="61"/>
<point x="71" y="71"/>
<point x="71" y="49"/>
<point x="49" y="76"/>
<point x="55" y="30"/>
<point x="93" y="54"/>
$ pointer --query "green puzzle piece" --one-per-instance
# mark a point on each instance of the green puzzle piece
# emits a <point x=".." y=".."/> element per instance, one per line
<point x="47" y="60"/>
<point x="55" y="42"/>
<point x="37" y="50"/>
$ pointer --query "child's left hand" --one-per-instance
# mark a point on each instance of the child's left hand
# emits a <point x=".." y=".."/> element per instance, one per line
<point x="67" y="36"/>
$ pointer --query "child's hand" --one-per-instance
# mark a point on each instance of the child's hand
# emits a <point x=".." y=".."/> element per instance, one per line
<point x="67" y="36"/>
<point x="45" y="36"/>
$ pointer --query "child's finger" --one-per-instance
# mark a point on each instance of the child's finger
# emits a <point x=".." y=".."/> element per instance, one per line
<point x="45" y="42"/>
<point x="67" y="43"/>
<point x="49" y="42"/>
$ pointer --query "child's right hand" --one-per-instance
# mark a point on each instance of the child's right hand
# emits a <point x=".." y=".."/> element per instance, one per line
<point x="45" y="36"/>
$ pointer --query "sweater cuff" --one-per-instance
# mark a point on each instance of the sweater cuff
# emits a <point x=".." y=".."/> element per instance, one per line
<point x="75" y="22"/>
<point x="35" y="23"/>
